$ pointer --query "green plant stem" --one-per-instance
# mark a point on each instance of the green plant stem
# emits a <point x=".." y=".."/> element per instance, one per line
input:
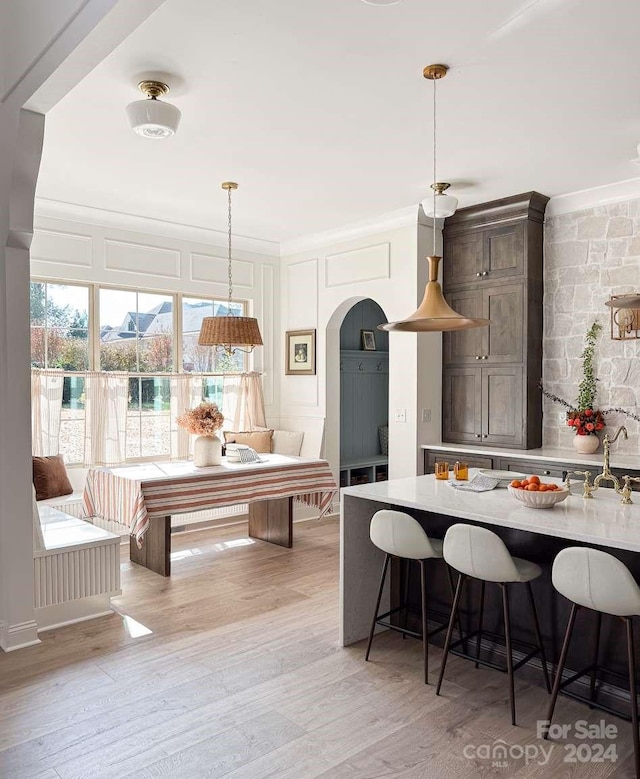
<point x="588" y="389"/>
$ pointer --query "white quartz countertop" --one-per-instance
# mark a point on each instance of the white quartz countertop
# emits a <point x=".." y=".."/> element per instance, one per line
<point x="546" y="454"/>
<point x="603" y="520"/>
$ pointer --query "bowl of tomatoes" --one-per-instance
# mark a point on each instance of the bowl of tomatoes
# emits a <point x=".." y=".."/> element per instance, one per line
<point x="535" y="494"/>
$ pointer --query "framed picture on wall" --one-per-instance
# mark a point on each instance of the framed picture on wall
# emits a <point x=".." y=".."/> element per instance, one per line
<point x="300" y="356"/>
<point x="368" y="340"/>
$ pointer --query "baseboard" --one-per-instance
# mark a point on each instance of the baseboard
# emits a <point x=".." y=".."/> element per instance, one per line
<point x="18" y="636"/>
<point x="72" y="612"/>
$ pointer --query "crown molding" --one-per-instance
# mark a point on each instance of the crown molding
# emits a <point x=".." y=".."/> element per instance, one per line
<point x="57" y="209"/>
<point x="392" y="220"/>
<point x="628" y="189"/>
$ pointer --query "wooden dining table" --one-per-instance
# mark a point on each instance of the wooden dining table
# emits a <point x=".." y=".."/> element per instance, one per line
<point x="143" y="497"/>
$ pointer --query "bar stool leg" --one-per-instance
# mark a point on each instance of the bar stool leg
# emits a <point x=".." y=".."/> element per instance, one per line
<point x="596" y="648"/>
<point x="452" y="618"/>
<point x="480" y="621"/>
<point x="563" y="659"/>
<point x="507" y="635"/>
<point x="536" y="623"/>
<point x="377" y="608"/>
<point x="405" y="597"/>
<point x="634" y="694"/>
<point x="425" y="629"/>
<point x="453" y="592"/>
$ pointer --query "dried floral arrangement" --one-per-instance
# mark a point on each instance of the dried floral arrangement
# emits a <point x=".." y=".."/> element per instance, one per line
<point x="205" y="419"/>
<point x="582" y="416"/>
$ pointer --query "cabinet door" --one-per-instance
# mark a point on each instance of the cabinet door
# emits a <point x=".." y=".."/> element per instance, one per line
<point x="503" y="252"/>
<point x="503" y="339"/>
<point x="462" y="396"/>
<point x="503" y="414"/>
<point x="465" y="346"/>
<point x="463" y="258"/>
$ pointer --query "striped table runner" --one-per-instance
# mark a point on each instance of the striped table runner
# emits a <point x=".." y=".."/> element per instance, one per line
<point x="122" y="497"/>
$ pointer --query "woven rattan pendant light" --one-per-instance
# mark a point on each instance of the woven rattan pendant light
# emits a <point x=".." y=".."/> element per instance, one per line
<point x="230" y="333"/>
<point x="434" y="314"/>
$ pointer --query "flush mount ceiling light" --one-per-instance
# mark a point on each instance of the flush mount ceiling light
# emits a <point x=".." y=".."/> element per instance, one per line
<point x="229" y="333"/>
<point x="441" y="206"/>
<point x="434" y="314"/>
<point x="153" y="118"/>
<point x="382" y="2"/>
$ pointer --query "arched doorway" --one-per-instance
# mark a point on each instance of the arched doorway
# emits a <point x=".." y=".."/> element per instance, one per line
<point x="357" y="392"/>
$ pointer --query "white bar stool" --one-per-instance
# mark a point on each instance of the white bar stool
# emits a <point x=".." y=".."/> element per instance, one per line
<point x="478" y="553"/>
<point x="399" y="535"/>
<point x="598" y="581"/>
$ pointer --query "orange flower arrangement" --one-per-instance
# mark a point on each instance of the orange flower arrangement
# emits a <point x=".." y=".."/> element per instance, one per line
<point x="205" y="419"/>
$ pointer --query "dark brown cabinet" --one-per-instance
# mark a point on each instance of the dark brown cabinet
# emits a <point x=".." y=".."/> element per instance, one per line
<point x="491" y="376"/>
<point x="481" y="405"/>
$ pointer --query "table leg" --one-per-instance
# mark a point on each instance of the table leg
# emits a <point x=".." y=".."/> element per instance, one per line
<point x="156" y="547"/>
<point x="272" y="520"/>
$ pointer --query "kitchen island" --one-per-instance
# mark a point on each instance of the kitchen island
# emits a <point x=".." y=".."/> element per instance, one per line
<point x="534" y="534"/>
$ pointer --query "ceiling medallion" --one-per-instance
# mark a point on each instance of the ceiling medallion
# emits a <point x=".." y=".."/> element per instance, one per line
<point x="434" y="314"/>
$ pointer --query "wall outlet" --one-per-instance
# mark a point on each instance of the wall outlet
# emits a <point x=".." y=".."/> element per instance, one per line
<point x="400" y="415"/>
<point x="426" y="415"/>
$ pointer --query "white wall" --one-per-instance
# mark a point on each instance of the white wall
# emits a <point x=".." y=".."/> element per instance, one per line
<point x="88" y="245"/>
<point x="319" y="286"/>
<point x="41" y="41"/>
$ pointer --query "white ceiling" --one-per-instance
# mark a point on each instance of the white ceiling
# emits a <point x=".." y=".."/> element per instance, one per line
<point x="319" y="110"/>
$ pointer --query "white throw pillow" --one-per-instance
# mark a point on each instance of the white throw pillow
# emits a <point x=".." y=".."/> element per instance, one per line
<point x="287" y="442"/>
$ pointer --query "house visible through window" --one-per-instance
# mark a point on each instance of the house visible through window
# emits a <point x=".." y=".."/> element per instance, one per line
<point x="130" y="330"/>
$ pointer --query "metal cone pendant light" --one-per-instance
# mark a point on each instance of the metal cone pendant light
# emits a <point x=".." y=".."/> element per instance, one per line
<point x="434" y="314"/>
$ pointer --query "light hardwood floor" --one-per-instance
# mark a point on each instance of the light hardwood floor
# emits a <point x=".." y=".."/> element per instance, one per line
<point x="242" y="677"/>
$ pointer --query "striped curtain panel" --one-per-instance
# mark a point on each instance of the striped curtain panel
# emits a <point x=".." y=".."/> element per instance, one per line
<point x="107" y="395"/>
<point x="243" y="401"/>
<point x="46" y="411"/>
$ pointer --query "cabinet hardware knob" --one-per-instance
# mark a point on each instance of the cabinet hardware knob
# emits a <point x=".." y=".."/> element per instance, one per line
<point x="478" y="435"/>
<point x="485" y="356"/>
<point x="379" y="366"/>
<point x="360" y="368"/>
<point x="547" y="473"/>
<point x="485" y="272"/>
<point x="478" y="357"/>
<point x="485" y="435"/>
<point x="478" y="274"/>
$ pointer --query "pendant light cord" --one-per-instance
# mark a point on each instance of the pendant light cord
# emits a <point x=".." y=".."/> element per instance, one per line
<point x="435" y="81"/>
<point x="229" y="251"/>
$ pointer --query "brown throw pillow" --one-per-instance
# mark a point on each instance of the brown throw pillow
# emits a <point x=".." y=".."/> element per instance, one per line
<point x="50" y="477"/>
<point x="260" y="440"/>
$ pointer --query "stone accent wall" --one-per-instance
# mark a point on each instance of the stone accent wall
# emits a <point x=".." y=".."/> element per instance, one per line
<point x="588" y="256"/>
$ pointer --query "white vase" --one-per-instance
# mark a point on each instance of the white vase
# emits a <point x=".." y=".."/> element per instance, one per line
<point x="586" y="444"/>
<point x="207" y="450"/>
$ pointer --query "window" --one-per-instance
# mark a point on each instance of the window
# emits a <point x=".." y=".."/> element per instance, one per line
<point x="60" y="339"/>
<point x="134" y="331"/>
<point x="59" y="326"/>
